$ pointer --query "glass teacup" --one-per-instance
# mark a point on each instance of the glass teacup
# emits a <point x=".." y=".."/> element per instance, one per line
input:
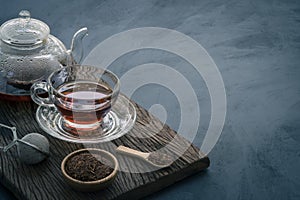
<point x="83" y="95"/>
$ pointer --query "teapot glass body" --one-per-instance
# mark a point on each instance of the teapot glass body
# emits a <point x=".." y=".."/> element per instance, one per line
<point x="28" y="53"/>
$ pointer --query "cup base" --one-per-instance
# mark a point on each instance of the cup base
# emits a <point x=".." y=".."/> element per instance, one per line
<point x="83" y="130"/>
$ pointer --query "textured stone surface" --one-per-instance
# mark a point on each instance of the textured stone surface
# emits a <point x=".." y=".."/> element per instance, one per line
<point x="256" y="46"/>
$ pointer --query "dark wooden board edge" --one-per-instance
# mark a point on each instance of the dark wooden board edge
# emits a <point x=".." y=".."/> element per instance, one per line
<point x="138" y="193"/>
<point x="166" y="181"/>
<point x="12" y="188"/>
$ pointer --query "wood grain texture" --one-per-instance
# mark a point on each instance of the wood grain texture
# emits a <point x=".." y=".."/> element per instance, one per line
<point x="45" y="181"/>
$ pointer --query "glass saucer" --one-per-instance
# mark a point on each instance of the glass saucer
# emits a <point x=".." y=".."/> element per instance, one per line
<point x="117" y="122"/>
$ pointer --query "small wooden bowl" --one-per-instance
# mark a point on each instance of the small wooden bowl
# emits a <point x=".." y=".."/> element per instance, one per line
<point x="90" y="186"/>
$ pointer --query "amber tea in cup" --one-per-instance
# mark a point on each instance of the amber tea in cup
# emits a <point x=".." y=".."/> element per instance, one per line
<point x="85" y="104"/>
<point x="83" y="95"/>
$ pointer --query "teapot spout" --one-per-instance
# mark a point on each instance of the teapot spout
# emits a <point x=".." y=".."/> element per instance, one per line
<point x="76" y="50"/>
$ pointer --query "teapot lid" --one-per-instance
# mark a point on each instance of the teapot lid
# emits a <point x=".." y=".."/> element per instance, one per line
<point x="24" y="31"/>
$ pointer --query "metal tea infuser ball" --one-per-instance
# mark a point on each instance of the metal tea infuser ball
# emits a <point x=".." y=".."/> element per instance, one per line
<point x="32" y="148"/>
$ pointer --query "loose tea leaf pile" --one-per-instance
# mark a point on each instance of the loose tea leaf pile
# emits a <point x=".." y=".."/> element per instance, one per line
<point x="88" y="167"/>
<point x="160" y="158"/>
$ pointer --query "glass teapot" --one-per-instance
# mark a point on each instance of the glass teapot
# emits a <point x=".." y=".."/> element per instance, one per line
<point x="28" y="53"/>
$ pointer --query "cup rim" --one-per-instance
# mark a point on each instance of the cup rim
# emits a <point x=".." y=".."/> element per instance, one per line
<point x="115" y="90"/>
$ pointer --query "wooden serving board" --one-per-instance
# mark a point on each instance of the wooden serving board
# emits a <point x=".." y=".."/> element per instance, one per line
<point x="45" y="181"/>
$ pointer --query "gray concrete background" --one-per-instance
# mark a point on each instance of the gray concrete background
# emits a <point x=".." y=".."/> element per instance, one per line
<point x="256" y="47"/>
